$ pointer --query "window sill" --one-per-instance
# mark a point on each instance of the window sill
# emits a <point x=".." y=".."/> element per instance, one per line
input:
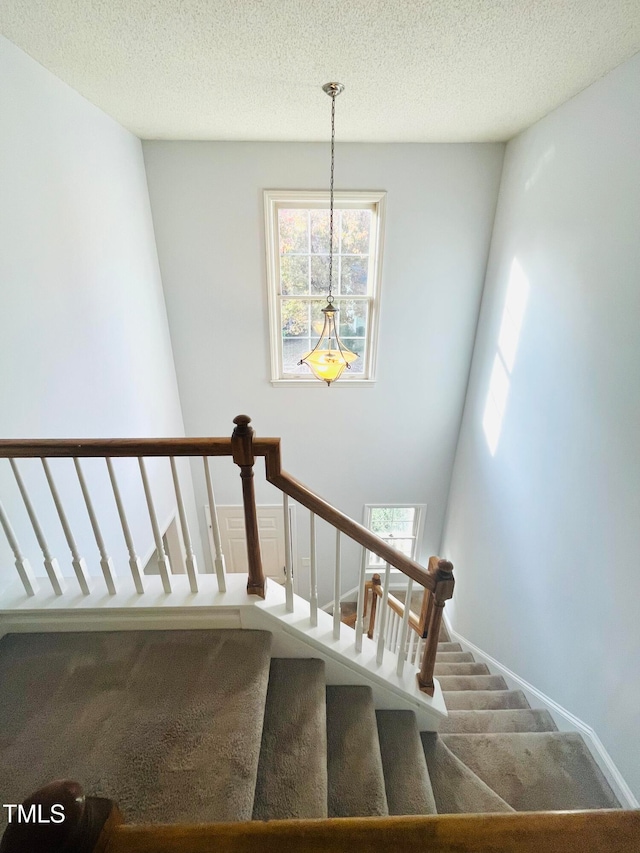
<point x="315" y="383"/>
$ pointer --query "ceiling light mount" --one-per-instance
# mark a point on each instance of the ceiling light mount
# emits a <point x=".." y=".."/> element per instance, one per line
<point x="333" y="89"/>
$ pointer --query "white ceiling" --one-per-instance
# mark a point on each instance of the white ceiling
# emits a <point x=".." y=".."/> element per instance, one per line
<point x="415" y="70"/>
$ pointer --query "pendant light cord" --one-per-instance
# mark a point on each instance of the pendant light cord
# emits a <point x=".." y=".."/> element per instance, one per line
<point x="333" y="136"/>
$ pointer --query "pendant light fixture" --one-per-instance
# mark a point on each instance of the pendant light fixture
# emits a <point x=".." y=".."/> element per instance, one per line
<point x="329" y="358"/>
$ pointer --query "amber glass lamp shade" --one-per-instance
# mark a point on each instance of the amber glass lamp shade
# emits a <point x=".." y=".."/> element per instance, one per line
<point x="329" y="358"/>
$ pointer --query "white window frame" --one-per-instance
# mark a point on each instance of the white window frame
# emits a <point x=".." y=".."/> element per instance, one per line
<point x="418" y="528"/>
<point x="275" y="199"/>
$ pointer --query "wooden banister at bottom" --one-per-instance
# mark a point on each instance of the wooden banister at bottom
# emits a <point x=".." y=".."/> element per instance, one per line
<point x="94" y="825"/>
<point x="612" y="831"/>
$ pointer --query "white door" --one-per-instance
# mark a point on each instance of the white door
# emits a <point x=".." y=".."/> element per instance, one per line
<point x="270" y="530"/>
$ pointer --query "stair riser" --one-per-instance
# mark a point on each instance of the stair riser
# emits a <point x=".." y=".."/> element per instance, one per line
<point x="460" y="669"/>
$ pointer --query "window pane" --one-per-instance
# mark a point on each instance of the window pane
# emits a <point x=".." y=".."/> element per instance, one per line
<point x="356" y="345"/>
<point x="295" y="318"/>
<point x="320" y="274"/>
<point x="381" y="517"/>
<point x="317" y="319"/>
<point x="404" y="513"/>
<point x="294" y="274"/>
<point x="401" y="528"/>
<point x="352" y="317"/>
<point x="354" y="274"/>
<point x="292" y="351"/>
<point x="293" y="229"/>
<point x="403" y="545"/>
<point x="356" y="231"/>
<point x="320" y="231"/>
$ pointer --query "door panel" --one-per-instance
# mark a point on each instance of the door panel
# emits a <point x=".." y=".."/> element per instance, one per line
<point x="270" y="530"/>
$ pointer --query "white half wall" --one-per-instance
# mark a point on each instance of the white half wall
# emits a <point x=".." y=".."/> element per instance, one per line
<point x="392" y="442"/>
<point x="544" y="515"/>
<point x="84" y="341"/>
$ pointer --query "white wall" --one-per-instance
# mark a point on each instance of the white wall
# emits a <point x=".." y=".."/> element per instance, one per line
<point x="392" y="442"/>
<point x="84" y="342"/>
<point x="545" y="534"/>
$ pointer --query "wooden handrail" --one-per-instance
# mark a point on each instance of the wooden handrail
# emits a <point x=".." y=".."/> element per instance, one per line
<point x="301" y="493"/>
<point x="417" y="623"/>
<point x="94" y="825"/>
<point x="554" y="832"/>
<point x="120" y="447"/>
<point x="267" y="447"/>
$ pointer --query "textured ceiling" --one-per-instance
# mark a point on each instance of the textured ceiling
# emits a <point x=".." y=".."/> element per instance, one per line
<point x="415" y="70"/>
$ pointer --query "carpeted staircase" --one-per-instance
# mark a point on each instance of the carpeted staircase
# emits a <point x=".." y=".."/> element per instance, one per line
<point x="199" y="726"/>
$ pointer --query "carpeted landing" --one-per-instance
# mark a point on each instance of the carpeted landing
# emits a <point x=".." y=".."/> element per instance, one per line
<point x="195" y="726"/>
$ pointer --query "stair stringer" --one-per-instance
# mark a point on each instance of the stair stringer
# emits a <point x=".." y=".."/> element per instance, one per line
<point x="294" y="637"/>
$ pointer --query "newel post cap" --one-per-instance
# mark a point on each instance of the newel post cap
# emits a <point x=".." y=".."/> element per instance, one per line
<point x="242" y="424"/>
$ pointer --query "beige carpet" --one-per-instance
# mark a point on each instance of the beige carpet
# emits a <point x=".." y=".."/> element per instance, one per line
<point x="167" y="723"/>
<point x="197" y="726"/>
<point x="292" y="773"/>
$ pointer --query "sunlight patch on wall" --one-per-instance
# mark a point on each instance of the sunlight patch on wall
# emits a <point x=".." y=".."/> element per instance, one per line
<point x="508" y="338"/>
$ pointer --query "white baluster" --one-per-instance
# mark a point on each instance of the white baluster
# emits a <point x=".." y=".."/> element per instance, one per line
<point x="396" y="632"/>
<point x="163" y="562"/>
<point x="419" y="652"/>
<point x="402" y="650"/>
<point x="25" y="571"/>
<point x="412" y="647"/>
<point x="218" y="559"/>
<point x="106" y="563"/>
<point x="192" y="568"/>
<point x="337" y="583"/>
<point x="78" y="563"/>
<point x="288" y="569"/>
<point x="134" y="560"/>
<point x="313" y="568"/>
<point x="360" y="605"/>
<point x="383" y="615"/>
<point x="389" y="632"/>
<point x="52" y="568"/>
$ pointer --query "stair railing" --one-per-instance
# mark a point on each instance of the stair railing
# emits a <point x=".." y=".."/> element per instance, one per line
<point x="437" y="580"/>
<point x="95" y="825"/>
<point x="109" y="450"/>
<point x="411" y="636"/>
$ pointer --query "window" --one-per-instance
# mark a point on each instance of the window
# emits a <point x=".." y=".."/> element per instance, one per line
<point x="297" y="240"/>
<point x="401" y="525"/>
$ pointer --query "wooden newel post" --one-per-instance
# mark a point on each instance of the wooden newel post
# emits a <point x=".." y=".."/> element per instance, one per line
<point x="242" y="449"/>
<point x="375" y="582"/>
<point x="60" y="820"/>
<point x="443" y="591"/>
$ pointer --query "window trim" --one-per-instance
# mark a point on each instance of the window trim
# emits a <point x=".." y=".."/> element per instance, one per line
<point x="419" y="522"/>
<point x="273" y="199"/>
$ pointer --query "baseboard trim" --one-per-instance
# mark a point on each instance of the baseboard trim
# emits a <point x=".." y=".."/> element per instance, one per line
<point x="565" y="720"/>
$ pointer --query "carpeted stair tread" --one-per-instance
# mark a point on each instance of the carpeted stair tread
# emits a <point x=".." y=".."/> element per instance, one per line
<point x="454" y="657"/>
<point x="166" y="723"/>
<point x="472" y="682"/>
<point x="406" y="776"/>
<point x="484" y="700"/>
<point x="535" y="771"/>
<point x="460" y="669"/>
<point x="517" y="720"/>
<point x="354" y="764"/>
<point x="292" y="771"/>
<point x="457" y="789"/>
<point x="449" y="647"/>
